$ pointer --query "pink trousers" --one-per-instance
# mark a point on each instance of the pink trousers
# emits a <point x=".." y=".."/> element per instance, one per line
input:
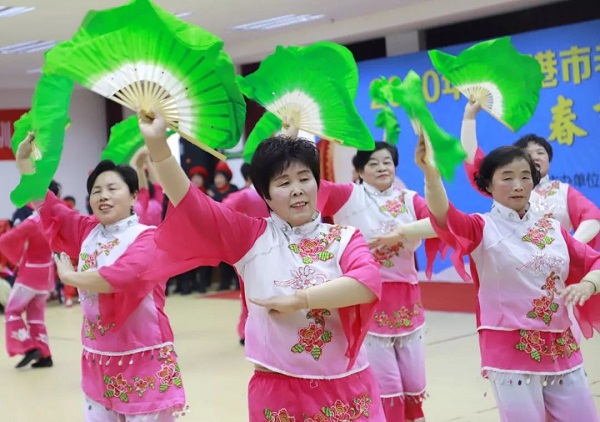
<point x="22" y="336"/>
<point x="398" y="364"/>
<point x="274" y="397"/>
<point x="540" y="398"/>
<point x="95" y="412"/>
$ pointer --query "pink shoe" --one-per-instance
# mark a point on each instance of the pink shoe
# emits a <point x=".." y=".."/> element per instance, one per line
<point x="69" y="303"/>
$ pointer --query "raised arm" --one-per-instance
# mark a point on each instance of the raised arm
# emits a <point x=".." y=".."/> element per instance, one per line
<point x="196" y="227"/>
<point x="332" y="196"/>
<point x="468" y="132"/>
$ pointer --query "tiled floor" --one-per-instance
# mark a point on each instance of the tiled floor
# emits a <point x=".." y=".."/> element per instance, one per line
<point x="215" y="373"/>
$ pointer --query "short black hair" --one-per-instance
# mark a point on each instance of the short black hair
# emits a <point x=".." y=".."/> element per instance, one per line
<point x="54" y="187"/>
<point x="524" y="142"/>
<point x="245" y="169"/>
<point x="274" y="155"/>
<point x="362" y="157"/>
<point x="501" y="157"/>
<point x="128" y="174"/>
<point x="69" y="198"/>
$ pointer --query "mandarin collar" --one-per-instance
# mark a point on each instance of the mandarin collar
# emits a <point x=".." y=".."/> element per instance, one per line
<point x="120" y="225"/>
<point x="304" y="229"/>
<point x="544" y="180"/>
<point x="372" y="190"/>
<point x="509" y="213"/>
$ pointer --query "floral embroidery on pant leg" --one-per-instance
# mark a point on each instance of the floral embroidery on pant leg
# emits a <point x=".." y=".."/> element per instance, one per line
<point x="281" y="415"/>
<point x="533" y="344"/>
<point x="313" y="338"/>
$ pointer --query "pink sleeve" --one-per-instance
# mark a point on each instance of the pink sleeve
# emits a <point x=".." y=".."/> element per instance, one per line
<point x="143" y="198"/>
<point x="580" y="208"/>
<point x="130" y="279"/>
<point x="463" y="232"/>
<point x="333" y="196"/>
<point x="200" y="228"/>
<point x="358" y="262"/>
<point x="432" y="246"/>
<point x="159" y="193"/>
<point x="583" y="259"/>
<point x="65" y="229"/>
<point x="12" y="243"/>
<point x="473" y="169"/>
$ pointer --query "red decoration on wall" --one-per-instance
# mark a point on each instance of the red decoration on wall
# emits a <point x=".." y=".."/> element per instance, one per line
<point x="7" y="121"/>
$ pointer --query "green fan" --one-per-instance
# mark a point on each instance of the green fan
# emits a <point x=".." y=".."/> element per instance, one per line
<point x="506" y="83"/>
<point x="48" y="120"/>
<point x="446" y="152"/>
<point x="379" y="91"/>
<point x="267" y="126"/>
<point x="124" y="141"/>
<point x="307" y="84"/>
<point x="154" y="61"/>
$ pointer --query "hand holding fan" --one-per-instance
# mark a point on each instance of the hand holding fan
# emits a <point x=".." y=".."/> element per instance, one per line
<point x="312" y="87"/>
<point x="506" y="83"/>
<point x="154" y="61"/>
<point x="48" y="120"/>
<point x="445" y="151"/>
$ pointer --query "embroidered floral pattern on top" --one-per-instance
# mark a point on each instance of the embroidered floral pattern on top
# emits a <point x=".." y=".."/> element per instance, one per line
<point x="542" y="263"/>
<point x="281" y="415"/>
<point x="168" y="376"/>
<point x="395" y="206"/>
<point x="538" y="235"/>
<point x="89" y="260"/>
<point x="384" y="255"/>
<point x="342" y="412"/>
<point x="315" y="249"/>
<point x="303" y="278"/>
<point x="313" y="339"/>
<point x="549" y="190"/>
<point x="91" y="328"/>
<point x="535" y="346"/>
<point x="401" y="318"/>
<point x="545" y="307"/>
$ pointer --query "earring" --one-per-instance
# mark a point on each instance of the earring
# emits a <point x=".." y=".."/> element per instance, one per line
<point x="131" y="210"/>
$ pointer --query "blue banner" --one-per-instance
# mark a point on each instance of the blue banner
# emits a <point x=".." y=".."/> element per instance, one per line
<point x="568" y="113"/>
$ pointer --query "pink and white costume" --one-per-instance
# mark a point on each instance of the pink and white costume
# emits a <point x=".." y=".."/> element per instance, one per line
<point x="528" y="351"/>
<point x="249" y="202"/>
<point x="149" y="210"/>
<point x="128" y="362"/>
<point x="319" y="365"/>
<point x="566" y="204"/>
<point x="395" y="341"/>
<point x="26" y="247"/>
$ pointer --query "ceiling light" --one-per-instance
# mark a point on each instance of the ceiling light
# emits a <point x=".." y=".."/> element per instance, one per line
<point x="182" y="14"/>
<point x="6" y="11"/>
<point x="27" y="47"/>
<point x="34" y="71"/>
<point x="277" y="22"/>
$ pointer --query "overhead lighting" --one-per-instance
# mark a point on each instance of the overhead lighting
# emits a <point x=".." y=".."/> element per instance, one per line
<point x="182" y="14"/>
<point x="27" y="47"/>
<point x="277" y="22"/>
<point x="34" y="71"/>
<point x="6" y="11"/>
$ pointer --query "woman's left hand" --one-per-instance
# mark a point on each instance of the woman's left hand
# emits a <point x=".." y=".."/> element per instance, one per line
<point x="283" y="304"/>
<point x="578" y="294"/>
<point x="387" y="240"/>
<point x="63" y="267"/>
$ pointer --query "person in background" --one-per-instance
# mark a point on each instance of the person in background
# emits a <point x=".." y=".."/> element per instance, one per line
<point x="26" y="247"/>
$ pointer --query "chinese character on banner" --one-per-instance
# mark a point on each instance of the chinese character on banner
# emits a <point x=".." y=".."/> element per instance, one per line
<point x="7" y="120"/>
<point x="578" y="63"/>
<point x="563" y="127"/>
<point x="547" y="60"/>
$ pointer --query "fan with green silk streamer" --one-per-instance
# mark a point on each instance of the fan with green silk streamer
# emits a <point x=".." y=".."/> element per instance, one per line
<point x="48" y="120"/>
<point x="305" y="85"/>
<point x="156" y="62"/>
<point x="385" y="118"/>
<point x="267" y="126"/>
<point x="124" y="141"/>
<point x="445" y="151"/>
<point x="506" y="83"/>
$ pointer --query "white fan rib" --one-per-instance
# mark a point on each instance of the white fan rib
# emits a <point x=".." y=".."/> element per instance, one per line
<point x="305" y="111"/>
<point x="488" y="95"/>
